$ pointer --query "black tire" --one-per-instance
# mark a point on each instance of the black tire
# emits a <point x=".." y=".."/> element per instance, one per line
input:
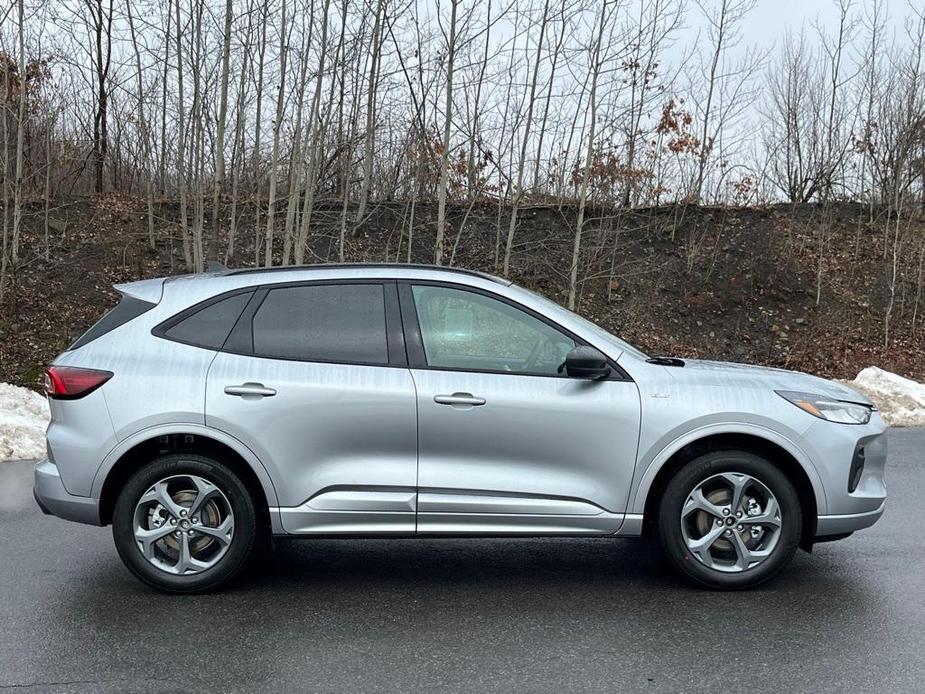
<point x="686" y="480"/>
<point x="243" y="540"/>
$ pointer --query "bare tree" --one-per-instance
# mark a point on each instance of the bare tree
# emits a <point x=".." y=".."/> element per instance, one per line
<point x="522" y="159"/>
<point x="315" y="132"/>
<point x="277" y="128"/>
<point x="20" y="135"/>
<point x="595" y="66"/>
<point x="220" y="130"/>
<point x="144" y="131"/>
<point x="101" y="16"/>
<point x="447" y="124"/>
<point x="724" y="18"/>
<point x="375" y="55"/>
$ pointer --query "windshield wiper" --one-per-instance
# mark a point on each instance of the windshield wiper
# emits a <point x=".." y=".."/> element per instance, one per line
<point x="666" y="361"/>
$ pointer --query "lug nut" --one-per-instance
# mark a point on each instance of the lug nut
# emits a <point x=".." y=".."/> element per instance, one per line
<point x="728" y="532"/>
<point x="719" y="522"/>
<point x="740" y="527"/>
<point x="195" y="520"/>
<point x="725" y="511"/>
<point x="183" y="513"/>
<point x="189" y="532"/>
<point x="173" y="521"/>
<point x="178" y="533"/>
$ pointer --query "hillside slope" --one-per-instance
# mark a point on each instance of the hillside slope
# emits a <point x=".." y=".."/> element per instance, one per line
<point x="723" y="283"/>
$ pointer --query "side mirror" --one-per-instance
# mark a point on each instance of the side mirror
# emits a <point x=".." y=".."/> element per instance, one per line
<point x="586" y="362"/>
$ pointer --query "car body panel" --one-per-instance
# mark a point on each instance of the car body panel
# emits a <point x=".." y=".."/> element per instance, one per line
<point x="329" y="426"/>
<point x="337" y="449"/>
<point x="535" y="438"/>
<point x="142" y="436"/>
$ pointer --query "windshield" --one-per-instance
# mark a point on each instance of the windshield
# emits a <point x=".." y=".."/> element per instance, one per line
<point x="553" y="307"/>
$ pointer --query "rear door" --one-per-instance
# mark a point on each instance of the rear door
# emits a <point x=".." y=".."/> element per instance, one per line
<point x="506" y="443"/>
<point x="314" y="380"/>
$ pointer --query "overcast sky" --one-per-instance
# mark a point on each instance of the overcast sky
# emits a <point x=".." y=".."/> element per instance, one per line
<point x="768" y="22"/>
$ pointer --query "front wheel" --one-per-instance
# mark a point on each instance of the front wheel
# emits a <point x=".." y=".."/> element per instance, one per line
<point x="184" y="523"/>
<point x="730" y="520"/>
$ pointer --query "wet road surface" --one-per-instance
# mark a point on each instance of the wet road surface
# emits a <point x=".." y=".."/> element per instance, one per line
<point x="466" y="615"/>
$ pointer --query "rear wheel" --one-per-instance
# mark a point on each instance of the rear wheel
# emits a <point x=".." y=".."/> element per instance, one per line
<point x="730" y="520"/>
<point x="184" y="523"/>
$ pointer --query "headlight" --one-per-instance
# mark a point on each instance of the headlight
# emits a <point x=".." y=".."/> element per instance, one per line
<point x="828" y="408"/>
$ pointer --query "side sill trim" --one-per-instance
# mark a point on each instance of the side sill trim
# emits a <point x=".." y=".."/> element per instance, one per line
<point x="632" y="525"/>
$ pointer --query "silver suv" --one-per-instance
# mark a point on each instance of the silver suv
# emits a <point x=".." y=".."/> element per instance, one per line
<point x="206" y="414"/>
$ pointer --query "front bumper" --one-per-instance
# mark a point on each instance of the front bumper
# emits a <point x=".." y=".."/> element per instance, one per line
<point x="827" y="526"/>
<point x="53" y="498"/>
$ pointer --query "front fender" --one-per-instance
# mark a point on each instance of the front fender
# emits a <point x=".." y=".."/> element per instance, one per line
<point x="659" y="458"/>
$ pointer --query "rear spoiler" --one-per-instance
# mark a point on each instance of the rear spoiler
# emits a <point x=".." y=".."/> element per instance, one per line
<point x="149" y="291"/>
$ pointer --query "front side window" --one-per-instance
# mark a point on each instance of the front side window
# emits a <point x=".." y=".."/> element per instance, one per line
<point x="466" y="330"/>
<point x="323" y="322"/>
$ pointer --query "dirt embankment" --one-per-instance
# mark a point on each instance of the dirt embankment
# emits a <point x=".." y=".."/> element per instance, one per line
<point x="736" y="284"/>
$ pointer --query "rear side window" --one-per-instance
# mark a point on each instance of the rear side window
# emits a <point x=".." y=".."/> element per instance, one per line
<point x="323" y="322"/>
<point x="209" y="326"/>
<point x="127" y="309"/>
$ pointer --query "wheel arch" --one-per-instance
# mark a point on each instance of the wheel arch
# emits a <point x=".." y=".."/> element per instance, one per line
<point x="769" y="445"/>
<point x="146" y="445"/>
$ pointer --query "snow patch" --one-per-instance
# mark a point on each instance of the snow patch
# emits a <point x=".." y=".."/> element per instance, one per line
<point x="901" y="401"/>
<point x="23" y="420"/>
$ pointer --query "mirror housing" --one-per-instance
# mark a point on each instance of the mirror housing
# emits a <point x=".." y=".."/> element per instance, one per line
<point x="586" y="362"/>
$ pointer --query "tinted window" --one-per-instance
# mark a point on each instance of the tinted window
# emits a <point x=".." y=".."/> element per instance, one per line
<point x="323" y="322"/>
<point x="126" y="310"/>
<point x="465" y="330"/>
<point x="210" y="325"/>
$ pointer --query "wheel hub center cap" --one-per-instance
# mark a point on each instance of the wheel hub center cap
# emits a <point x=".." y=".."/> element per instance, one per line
<point x="730" y="521"/>
<point x="184" y="524"/>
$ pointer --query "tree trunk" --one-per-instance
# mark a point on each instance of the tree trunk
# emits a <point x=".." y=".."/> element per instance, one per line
<point x="277" y="126"/>
<point x="589" y="154"/>
<point x="220" y="132"/>
<point x="447" y="124"/>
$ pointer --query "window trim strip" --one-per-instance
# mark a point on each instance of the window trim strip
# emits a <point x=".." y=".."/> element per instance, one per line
<point x="240" y="339"/>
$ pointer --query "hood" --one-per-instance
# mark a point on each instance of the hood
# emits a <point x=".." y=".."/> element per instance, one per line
<point x="721" y="373"/>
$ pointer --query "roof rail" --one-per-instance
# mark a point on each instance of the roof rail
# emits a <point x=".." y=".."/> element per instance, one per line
<point x="335" y="266"/>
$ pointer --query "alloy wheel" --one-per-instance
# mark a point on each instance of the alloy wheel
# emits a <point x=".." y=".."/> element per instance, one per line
<point x="183" y="524"/>
<point x="731" y="522"/>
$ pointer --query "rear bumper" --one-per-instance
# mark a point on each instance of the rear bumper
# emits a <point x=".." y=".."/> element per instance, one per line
<point x="841" y="525"/>
<point x="53" y="498"/>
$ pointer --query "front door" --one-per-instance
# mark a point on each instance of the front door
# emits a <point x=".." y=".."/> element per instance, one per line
<point x="313" y="379"/>
<point x="506" y="443"/>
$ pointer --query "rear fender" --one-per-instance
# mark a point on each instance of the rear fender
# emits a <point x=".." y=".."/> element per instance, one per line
<point x="149" y="433"/>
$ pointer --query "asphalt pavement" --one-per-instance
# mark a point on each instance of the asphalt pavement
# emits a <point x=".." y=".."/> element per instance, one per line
<point x="539" y="615"/>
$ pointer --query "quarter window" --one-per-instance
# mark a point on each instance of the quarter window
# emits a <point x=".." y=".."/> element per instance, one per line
<point x="323" y="322"/>
<point x="209" y="326"/>
<point x="466" y="330"/>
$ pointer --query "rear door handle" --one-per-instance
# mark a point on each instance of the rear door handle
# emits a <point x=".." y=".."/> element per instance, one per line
<point x="463" y="399"/>
<point x="250" y="390"/>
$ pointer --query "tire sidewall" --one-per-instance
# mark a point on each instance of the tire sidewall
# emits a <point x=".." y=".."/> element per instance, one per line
<point x="242" y="505"/>
<point x="700" y="469"/>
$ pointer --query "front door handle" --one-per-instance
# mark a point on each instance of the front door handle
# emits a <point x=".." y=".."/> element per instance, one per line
<point x="457" y="399"/>
<point x="250" y="390"/>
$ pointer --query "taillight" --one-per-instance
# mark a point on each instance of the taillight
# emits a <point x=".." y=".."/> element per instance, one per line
<point x="70" y="382"/>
